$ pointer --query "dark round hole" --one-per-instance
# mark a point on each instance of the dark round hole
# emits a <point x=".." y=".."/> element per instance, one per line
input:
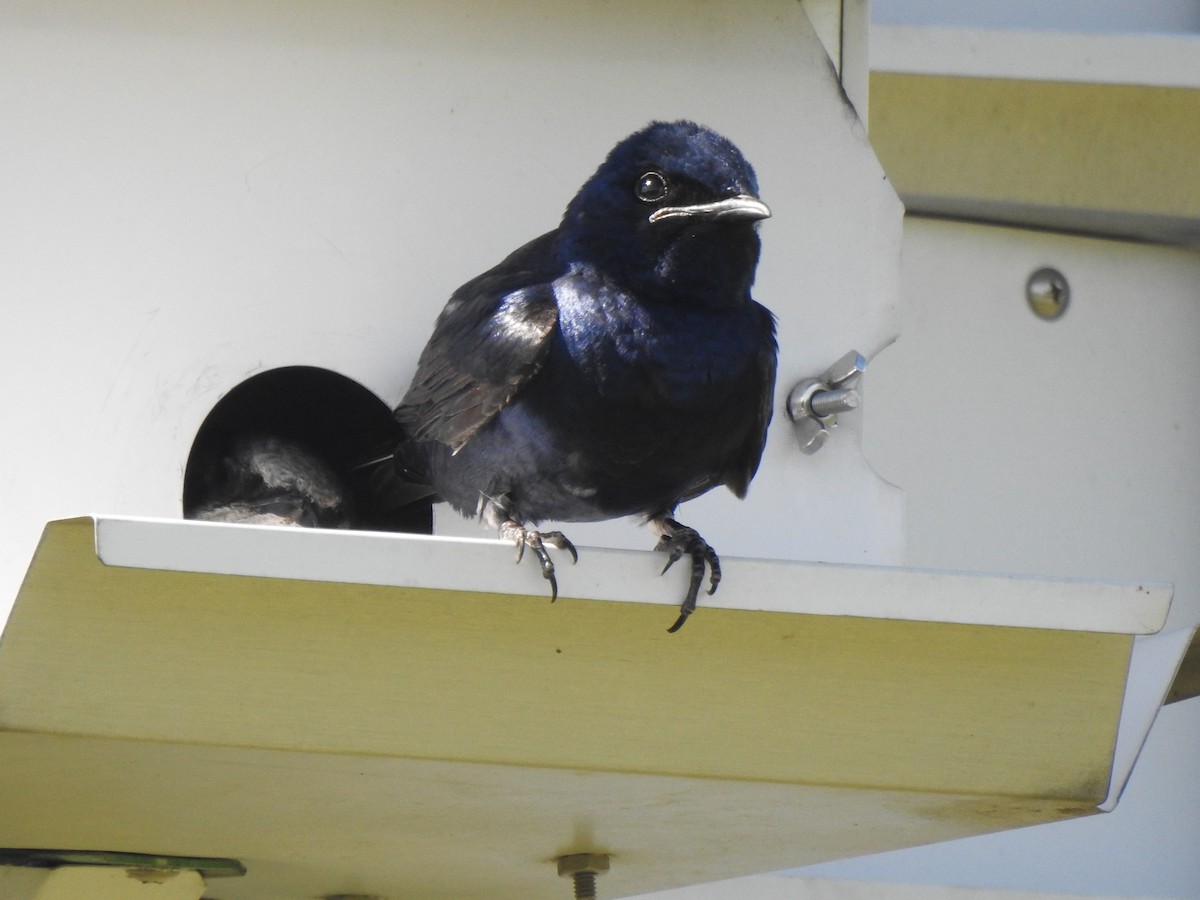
<point x="332" y="419"/>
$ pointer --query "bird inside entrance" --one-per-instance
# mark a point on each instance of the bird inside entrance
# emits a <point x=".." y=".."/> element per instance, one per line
<point x="285" y="447"/>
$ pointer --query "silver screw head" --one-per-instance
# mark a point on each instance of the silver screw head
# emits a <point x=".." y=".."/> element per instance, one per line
<point x="1047" y="293"/>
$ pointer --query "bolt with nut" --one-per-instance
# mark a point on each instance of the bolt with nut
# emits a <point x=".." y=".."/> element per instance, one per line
<point x="814" y="403"/>
<point x="582" y="869"/>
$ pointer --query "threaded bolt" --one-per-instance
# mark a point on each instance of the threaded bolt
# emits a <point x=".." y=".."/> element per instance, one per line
<point x="582" y="869"/>
<point x="585" y="885"/>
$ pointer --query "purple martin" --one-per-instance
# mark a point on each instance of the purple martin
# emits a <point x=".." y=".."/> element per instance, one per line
<point x="615" y="366"/>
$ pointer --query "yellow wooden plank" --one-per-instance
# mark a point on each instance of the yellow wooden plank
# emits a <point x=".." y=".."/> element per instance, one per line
<point x="1187" y="680"/>
<point x="108" y="883"/>
<point x="584" y="685"/>
<point x="314" y="825"/>
<point x="1088" y="156"/>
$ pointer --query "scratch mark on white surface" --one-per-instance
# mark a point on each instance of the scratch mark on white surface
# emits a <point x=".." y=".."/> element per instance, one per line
<point x="151" y="315"/>
<point x="332" y="245"/>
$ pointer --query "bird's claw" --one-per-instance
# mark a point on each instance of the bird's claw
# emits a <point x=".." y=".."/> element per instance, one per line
<point x="536" y="541"/>
<point x="677" y="540"/>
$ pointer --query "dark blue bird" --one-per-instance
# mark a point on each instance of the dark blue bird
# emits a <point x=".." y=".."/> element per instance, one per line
<point x="616" y="366"/>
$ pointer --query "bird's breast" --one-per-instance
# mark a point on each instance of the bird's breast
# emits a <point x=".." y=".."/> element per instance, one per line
<point x="632" y="352"/>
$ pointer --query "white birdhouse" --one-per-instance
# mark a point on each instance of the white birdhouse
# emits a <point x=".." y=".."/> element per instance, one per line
<point x="239" y="218"/>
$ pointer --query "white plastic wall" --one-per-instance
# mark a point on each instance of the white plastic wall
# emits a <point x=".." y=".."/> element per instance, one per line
<point x="1058" y="448"/>
<point x="195" y="192"/>
<point x="1075" y="16"/>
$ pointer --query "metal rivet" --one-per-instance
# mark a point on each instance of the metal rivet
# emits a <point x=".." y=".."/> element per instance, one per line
<point x="1048" y="293"/>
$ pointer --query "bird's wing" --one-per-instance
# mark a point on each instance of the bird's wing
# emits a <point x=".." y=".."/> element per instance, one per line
<point x="761" y="378"/>
<point x="491" y="338"/>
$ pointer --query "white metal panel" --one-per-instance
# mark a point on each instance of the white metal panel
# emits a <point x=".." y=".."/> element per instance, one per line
<point x="1152" y="667"/>
<point x="1077" y="16"/>
<point x="464" y="564"/>
<point x="1058" y="448"/>
<point x="776" y="887"/>
<point x="198" y="191"/>
<point x="1166" y="60"/>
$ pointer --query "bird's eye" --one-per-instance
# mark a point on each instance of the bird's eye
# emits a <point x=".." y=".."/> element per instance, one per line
<point x="651" y="187"/>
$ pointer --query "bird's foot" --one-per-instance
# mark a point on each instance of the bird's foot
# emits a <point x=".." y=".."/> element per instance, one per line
<point x="537" y="541"/>
<point x="677" y="540"/>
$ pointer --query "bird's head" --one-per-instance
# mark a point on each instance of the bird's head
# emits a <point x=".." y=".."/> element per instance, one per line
<point x="672" y="215"/>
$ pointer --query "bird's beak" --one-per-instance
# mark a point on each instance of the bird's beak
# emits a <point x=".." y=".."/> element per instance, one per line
<point x="743" y="208"/>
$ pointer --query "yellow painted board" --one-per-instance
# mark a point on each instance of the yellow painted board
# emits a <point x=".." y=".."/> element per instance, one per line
<point x="1187" y="680"/>
<point x="1078" y="156"/>
<point x="314" y="825"/>
<point x="112" y="883"/>
<point x="339" y="737"/>
<point x="345" y="668"/>
<point x="511" y="679"/>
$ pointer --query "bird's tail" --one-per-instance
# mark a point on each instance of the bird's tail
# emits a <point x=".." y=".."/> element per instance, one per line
<point x="395" y="483"/>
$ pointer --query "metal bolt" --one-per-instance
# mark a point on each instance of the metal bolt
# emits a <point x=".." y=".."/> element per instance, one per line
<point x="582" y="868"/>
<point x="830" y="403"/>
<point x="1047" y="293"/>
<point x="814" y="403"/>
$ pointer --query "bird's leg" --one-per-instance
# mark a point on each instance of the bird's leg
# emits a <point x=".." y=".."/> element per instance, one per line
<point x="510" y="529"/>
<point x="677" y="539"/>
<point x="536" y="541"/>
